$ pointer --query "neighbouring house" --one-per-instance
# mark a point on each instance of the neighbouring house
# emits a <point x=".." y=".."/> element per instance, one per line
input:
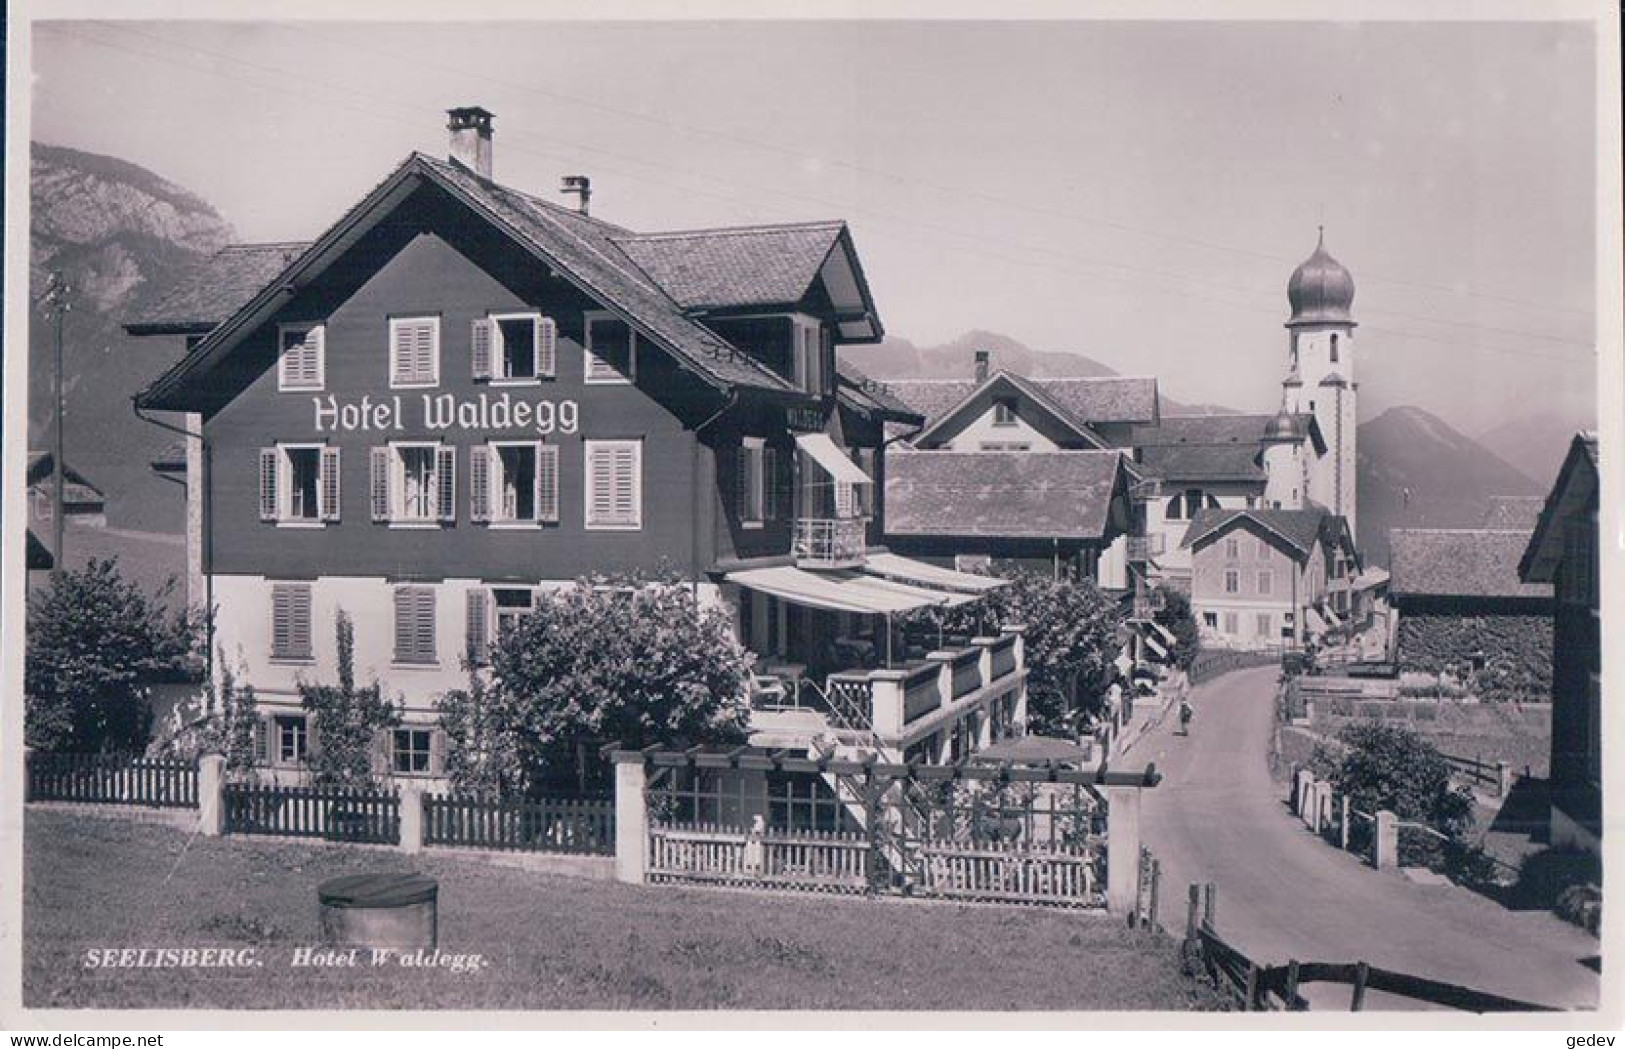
<point x="82" y="502"/>
<point x="1264" y="577"/>
<point x="1565" y="553"/>
<point x="460" y="396"/>
<point x="1464" y="611"/>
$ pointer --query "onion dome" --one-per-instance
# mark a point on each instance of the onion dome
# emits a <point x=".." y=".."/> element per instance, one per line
<point x="1284" y="427"/>
<point x="1321" y="290"/>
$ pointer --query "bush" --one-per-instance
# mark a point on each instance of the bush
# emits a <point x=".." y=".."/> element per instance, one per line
<point x="1581" y="905"/>
<point x="617" y="659"/>
<point x="94" y="642"/>
<point x="1178" y="619"/>
<point x="1390" y="767"/>
<point x="345" y="720"/>
<point x="1547" y="877"/>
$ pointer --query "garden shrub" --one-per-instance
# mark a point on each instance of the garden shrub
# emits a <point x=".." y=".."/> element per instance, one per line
<point x="1581" y="905"/>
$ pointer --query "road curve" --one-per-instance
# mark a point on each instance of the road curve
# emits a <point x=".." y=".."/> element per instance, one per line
<point x="1218" y="817"/>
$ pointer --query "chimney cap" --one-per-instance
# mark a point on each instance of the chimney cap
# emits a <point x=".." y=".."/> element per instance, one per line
<point x="470" y="117"/>
<point x="982" y="355"/>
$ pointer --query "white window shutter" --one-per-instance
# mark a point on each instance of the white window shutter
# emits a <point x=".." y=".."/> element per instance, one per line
<point x="445" y="474"/>
<point x="270" y="459"/>
<point x="401" y="358"/>
<point x="423" y="616"/>
<point x="601" y="472"/>
<point x="741" y="471"/>
<point x="314" y="357"/>
<point x="403" y="624"/>
<point x="330" y="484"/>
<point x="481" y="342"/>
<point x="379" y="483"/>
<point x="547" y="483"/>
<point x="547" y="337"/>
<point x="626" y="485"/>
<point x="479" y="483"/>
<point x="479" y="626"/>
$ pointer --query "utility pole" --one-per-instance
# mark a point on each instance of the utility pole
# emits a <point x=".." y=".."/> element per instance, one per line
<point x="56" y="299"/>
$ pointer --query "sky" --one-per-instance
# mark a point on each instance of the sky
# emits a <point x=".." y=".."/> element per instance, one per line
<point x="1138" y="192"/>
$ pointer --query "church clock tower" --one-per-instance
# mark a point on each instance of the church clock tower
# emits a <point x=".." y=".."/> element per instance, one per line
<point x="1320" y="379"/>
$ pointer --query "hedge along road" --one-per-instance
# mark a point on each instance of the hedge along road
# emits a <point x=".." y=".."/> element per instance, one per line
<point x="1284" y="894"/>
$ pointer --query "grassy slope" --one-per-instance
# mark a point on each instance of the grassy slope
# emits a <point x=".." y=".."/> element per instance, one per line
<point x="552" y="942"/>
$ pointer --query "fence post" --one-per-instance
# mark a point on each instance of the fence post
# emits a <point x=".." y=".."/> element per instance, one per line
<point x="1387" y="852"/>
<point x="1156" y="883"/>
<point x="211" y="795"/>
<point x="411" y="809"/>
<point x="1210" y="906"/>
<point x="631" y="823"/>
<point x="1343" y="824"/>
<point x="1252" y="987"/>
<point x="1122" y="849"/>
<point x="1503" y="779"/>
<point x="1362" y="973"/>
<point x="1292" y="985"/>
<point x="1192" y="907"/>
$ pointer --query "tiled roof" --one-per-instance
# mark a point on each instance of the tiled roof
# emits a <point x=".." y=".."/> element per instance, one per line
<point x="1002" y="494"/>
<point x="1301" y="529"/>
<point x="1206" y="447"/>
<point x="866" y="392"/>
<point x="743" y="266"/>
<point x="1101" y="399"/>
<point x="1513" y="511"/>
<point x="172" y="458"/>
<point x="218" y="288"/>
<point x="76" y="490"/>
<point x="1459" y="562"/>
<point x="932" y="398"/>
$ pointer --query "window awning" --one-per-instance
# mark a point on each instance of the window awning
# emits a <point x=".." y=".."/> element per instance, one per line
<point x="1156" y="646"/>
<point x="837" y="592"/>
<point x="1313" y="621"/>
<point x="908" y="570"/>
<point x="930" y="595"/>
<point x="1164" y="631"/>
<point x="828" y="455"/>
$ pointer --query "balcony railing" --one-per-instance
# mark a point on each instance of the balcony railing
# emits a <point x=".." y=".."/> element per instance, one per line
<point x="829" y="542"/>
<point x="1145" y="547"/>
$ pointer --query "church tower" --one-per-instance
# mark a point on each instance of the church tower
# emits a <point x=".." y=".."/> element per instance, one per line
<point x="1320" y="378"/>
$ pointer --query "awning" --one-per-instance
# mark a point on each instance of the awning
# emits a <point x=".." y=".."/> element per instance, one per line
<point x="928" y="595"/>
<point x="838" y="591"/>
<point x="1313" y="621"/>
<point x="1332" y="617"/>
<point x="1164" y="631"/>
<point x="908" y="570"/>
<point x="1156" y="646"/>
<point x="827" y="454"/>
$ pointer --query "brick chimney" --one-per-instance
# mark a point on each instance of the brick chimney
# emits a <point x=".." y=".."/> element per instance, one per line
<point x="981" y="365"/>
<point x="470" y="128"/>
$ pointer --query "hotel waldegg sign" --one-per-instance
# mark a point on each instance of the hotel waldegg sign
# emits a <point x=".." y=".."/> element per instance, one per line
<point x="445" y="412"/>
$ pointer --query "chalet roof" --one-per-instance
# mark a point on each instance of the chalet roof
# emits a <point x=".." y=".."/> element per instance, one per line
<point x="1105" y="399"/>
<point x="237" y="290"/>
<point x="740" y="266"/>
<point x="1513" y="511"/>
<point x="1211" y="447"/>
<point x="1459" y="562"/>
<point x="217" y="288"/>
<point x="1299" y="529"/>
<point x="1573" y="492"/>
<point x="1066" y="494"/>
<point x="1079" y="404"/>
<point x="866" y="394"/>
<point x="76" y="490"/>
<point x="932" y="398"/>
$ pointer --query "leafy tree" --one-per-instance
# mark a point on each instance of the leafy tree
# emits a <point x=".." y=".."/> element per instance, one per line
<point x="1071" y="641"/>
<point x="1178" y="619"/>
<point x="345" y="720"/>
<point x="616" y="659"/>
<point x="94" y="642"/>
<point x="1390" y="767"/>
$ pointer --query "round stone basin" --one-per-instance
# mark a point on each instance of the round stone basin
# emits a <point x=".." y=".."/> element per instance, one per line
<point x="379" y="910"/>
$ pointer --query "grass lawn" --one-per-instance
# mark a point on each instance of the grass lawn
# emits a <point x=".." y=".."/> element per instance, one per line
<point x="547" y="942"/>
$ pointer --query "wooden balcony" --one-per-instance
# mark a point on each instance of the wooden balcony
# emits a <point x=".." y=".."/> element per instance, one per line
<point x="829" y="542"/>
<point x="1142" y="548"/>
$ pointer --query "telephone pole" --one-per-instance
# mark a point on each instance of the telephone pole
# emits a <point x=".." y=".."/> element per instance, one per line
<point x="56" y="299"/>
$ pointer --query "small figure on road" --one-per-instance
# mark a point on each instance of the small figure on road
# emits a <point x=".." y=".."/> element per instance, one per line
<point x="1186" y="712"/>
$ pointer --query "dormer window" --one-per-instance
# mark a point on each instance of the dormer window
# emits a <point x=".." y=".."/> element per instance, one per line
<point x="1004" y="412"/>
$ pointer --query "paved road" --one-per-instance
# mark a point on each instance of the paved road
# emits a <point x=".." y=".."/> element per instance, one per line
<point x="1218" y="817"/>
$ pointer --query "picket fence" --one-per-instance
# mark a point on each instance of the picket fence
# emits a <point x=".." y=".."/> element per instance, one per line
<point x="112" y="779"/>
<point x="579" y="825"/>
<point x="331" y="813"/>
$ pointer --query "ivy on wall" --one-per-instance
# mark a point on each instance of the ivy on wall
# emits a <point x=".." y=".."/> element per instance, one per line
<point x="1501" y="658"/>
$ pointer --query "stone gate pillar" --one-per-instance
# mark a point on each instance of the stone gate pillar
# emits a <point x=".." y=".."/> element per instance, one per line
<point x="1122" y="849"/>
<point x="631" y="821"/>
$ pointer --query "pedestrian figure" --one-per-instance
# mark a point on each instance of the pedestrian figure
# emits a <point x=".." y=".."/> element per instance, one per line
<point x="1185" y="715"/>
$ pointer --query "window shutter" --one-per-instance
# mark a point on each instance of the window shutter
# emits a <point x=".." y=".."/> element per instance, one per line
<point x="403" y="624"/>
<point x="446" y="482"/>
<point x="479" y="626"/>
<point x="330" y="484"/>
<point x="383" y="751"/>
<point x="379" y="484"/>
<point x="423" y="618"/>
<point x="844" y="502"/>
<point x="479" y="483"/>
<point x="437" y="752"/>
<point x="262" y="740"/>
<point x="481" y="342"/>
<point x="547" y="482"/>
<point x="626" y="482"/>
<point x="281" y="621"/>
<point x="547" y="337"/>
<point x="601" y="470"/>
<point x="299" y="633"/>
<point x="770" y="483"/>
<point x="402" y="357"/>
<point x="269" y="460"/>
<point x="741" y="472"/>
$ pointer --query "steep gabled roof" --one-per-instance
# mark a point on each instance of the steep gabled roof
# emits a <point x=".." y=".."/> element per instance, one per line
<point x="217" y="289"/>
<point x="580" y="249"/>
<point x="932" y="398"/>
<point x="1459" y="562"/>
<point x="1301" y="530"/>
<point x="1079" y="403"/>
<point x="877" y="398"/>
<point x="76" y="489"/>
<point x="1574" y="491"/>
<point x="1520" y="512"/>
<point x="1065" y="494"/>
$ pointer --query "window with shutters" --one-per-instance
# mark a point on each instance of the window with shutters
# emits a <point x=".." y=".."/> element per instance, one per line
<point x="415" y="484"/>
<point x="299" y="484"/>
<point x="414" y="625"/>
<point x="414" y="351"/>
<point x="515" y="483"/>
<point x="811" y="371"/>
<point x="520" y="350"/>
<point x="611" y="351"/>
<point x="750" y="482"/>
<point x="290" y="621"/>
<point x="412" y="750"/>
<point x="614" y="488"/>
<point x="292" y="739"/>
<point x="301" y="357"/>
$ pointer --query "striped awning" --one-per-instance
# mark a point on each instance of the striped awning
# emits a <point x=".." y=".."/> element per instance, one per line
<point x="847" y="591"/>
<point x="908" y="570"/>
<point x="1156" y="646"/>
<point x="828" y="455"/>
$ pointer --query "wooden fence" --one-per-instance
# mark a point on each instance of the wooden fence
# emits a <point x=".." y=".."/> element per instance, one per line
<point x="1276" y="987"/>
<point x="829" y="861"/>
<point x="1009" y="872"/>
<point x="115" y="779"/>
<point x="1210" y="663"/>
<point x="583" y="825"/>
<point x="332" y="813"/>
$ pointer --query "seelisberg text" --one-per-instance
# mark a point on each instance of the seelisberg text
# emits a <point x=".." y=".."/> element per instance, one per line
<point x="445" y="412"/>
